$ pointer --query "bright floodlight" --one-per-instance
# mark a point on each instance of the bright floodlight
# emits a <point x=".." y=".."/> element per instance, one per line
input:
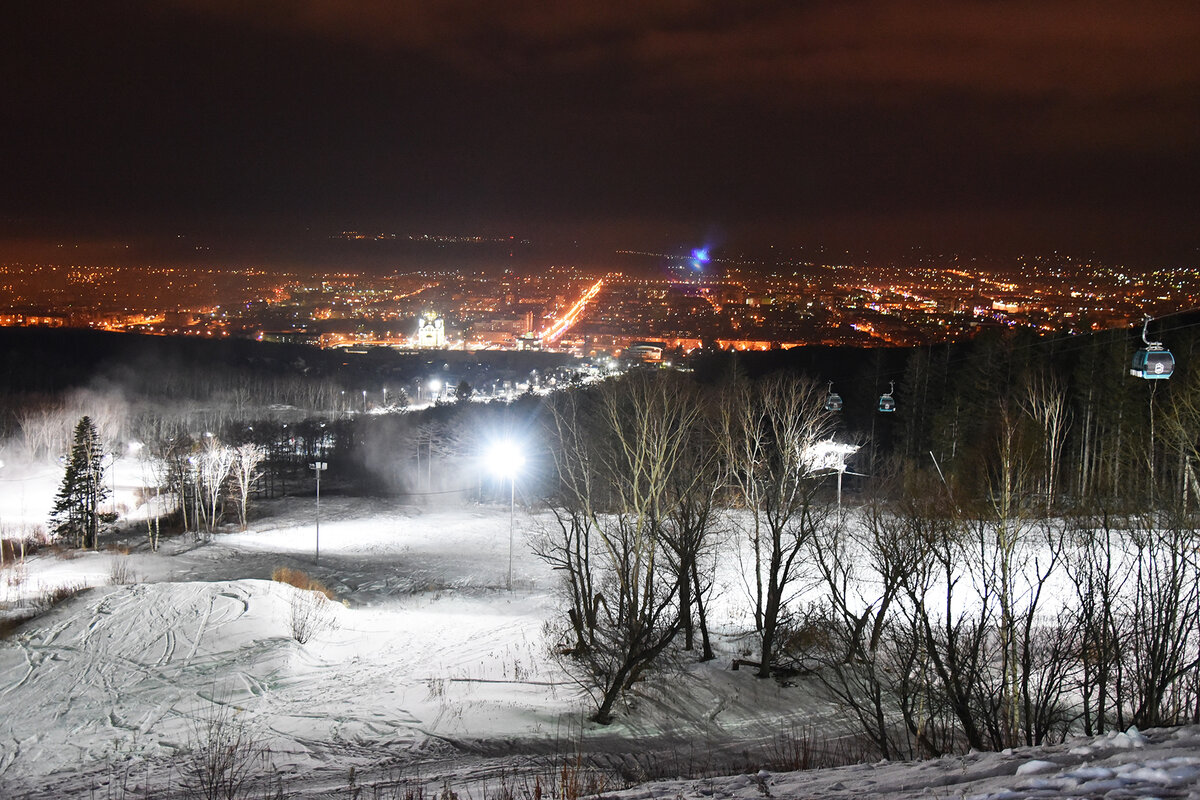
<point x="505" y="458"/>
<point x="827" y="454"/>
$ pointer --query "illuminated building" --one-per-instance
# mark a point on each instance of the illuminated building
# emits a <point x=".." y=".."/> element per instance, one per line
<point x="431" y="331"/>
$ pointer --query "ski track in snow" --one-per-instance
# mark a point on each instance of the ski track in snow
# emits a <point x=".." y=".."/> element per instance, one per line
<point x="433" y="671"/>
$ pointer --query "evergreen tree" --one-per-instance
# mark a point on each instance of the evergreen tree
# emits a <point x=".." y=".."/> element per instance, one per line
<point x="76" y="517"/>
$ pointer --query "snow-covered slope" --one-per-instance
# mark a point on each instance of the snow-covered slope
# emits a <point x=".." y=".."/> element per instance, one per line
<point x="432" y="671"/>
<point x="431" y="663"/>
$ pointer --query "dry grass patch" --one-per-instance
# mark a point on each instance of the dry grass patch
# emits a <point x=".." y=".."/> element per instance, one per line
<point x="301" y="580"/>
<point x="11" y="621"/>
<point x="311" y="609"/>
<point x="52" y="597"/>
<point x="120" y="573"/>
<point x="64" y="552"/>
<point x="19" y="541"/>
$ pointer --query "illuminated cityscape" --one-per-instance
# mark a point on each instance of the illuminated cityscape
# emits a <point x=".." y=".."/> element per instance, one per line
<point x="732" y="305"/>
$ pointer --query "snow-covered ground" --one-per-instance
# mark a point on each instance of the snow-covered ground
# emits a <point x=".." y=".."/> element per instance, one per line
<point x="431" y="672"/>
<point x="431" y="666"/>
<point x="1128" y="764"/>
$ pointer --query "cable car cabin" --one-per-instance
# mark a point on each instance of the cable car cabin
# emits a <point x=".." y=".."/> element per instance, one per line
<point x="1152" y="363"/>
<point x="833" y="402"/>
<point x="887" y="403"/>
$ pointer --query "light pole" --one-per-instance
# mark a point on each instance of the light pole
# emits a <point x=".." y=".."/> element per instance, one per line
<point x="435" y="389"/>
<point x="829" y="455"/>
<point x="318" y="467"/>
<point x="195" y="475"/>
<point x="112" y="468"/>
<point x="506" y="460"/>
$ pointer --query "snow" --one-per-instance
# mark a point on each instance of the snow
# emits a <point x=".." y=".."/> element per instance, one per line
<point x="431" y="661"/>
<point x="430" y="670"/>
<point x="1167" y="765"/>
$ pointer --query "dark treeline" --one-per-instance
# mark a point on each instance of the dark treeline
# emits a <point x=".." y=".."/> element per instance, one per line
<point x="1086" y="428"/>
<point x="145" y="388"/>
<point x="1104" y="433"/>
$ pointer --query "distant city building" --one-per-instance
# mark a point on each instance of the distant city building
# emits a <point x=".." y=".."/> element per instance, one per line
<point x="431" y="331"/>
<point x="33" y="319"/>
<point x="289" y="337"/>
<point x="651" y="352"/>
<point x="529" y="341"/>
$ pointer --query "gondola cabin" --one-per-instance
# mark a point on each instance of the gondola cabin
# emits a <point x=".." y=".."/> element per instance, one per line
<point x="833" y="402"/>
<point x="1152" y="363"/>
<point x="887" y="403"/>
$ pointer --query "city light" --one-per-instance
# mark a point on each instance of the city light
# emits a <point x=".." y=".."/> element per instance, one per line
<point x="560" y="327"/>
<point x="750" y="305"/>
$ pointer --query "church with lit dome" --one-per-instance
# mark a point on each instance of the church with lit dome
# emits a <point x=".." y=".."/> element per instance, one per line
<point x="431" y="331"/>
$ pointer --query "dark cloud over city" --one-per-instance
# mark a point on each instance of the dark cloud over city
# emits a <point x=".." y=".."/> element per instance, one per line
<point x="976" y="125"/>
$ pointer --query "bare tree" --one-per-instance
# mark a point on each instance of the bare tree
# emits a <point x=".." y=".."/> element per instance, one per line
<point x="1098" y="576"/>
<point x="573" y="502"/>
<point x="45" y="430"/>
<point x="154" y="464"/>
<point x="1007" y="525"/>
<point x="177" y="454"/>
<point x="213" y="465"/>
<point x="246" y="469"/>
<point x="1182" y="427"/>
<point x="687" y="530"/>
<point x="868" y="656"/>
<point x="769" y="432"/>
<point x="744" y="441"/>
<point x="1164" y="616"/>
<point x="1044" y="400"/>
<point x="618" y="480"/>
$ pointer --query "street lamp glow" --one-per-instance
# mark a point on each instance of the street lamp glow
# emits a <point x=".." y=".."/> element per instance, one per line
<point x="505" y="458"/>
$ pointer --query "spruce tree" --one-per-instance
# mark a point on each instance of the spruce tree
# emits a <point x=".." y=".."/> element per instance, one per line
<point x="76" y="517"/>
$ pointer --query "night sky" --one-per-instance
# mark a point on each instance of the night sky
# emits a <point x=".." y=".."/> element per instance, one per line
<point x="983" y="126"/>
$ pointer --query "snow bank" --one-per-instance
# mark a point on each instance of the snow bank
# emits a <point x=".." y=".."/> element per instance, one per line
<point x="1166" y="764"/>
